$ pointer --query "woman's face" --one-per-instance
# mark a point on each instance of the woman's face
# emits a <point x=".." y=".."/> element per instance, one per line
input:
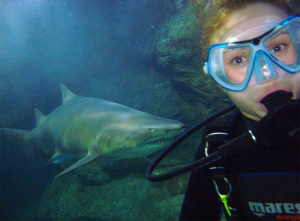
<point x="248" y="23"/>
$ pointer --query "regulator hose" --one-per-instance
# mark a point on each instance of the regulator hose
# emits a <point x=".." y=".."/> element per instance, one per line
<point x="281" y="124"/>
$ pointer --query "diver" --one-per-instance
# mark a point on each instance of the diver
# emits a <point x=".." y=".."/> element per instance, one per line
<point x="247" y="165"/>
<point x="252" y="50"/>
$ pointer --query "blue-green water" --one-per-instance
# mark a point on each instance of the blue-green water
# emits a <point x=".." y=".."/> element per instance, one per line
<point x="96" y="48"/>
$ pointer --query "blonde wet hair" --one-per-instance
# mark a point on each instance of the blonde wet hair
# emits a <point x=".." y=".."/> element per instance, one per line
<point x="217" y="11"/>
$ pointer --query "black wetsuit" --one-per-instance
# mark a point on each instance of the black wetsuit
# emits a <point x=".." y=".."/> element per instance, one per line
<point x="264" y="179"/>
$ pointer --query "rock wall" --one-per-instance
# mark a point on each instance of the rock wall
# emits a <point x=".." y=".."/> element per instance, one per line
<point x="177" y="54"/>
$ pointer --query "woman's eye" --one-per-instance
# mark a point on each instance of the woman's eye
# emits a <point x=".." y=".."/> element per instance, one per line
<point x="278" y="48"/>
<point x="239" y="60"/>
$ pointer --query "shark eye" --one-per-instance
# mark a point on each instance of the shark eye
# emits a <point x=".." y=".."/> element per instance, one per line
<point x="152" y="130"/>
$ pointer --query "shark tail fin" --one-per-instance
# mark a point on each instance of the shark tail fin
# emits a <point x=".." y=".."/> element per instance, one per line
<point x="89" y="157"/>
<point x="17" y="137"/>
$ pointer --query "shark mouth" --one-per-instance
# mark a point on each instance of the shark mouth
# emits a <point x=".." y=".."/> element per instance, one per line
<point x="161" y="142"/>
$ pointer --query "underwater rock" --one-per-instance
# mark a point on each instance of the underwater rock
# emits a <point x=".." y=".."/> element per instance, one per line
<point x="92" y="177"/>
<point x="177" y="54"/>
<point x="177" y="185"/>
<point x="180" y="3"/>
<point x="85" y="218"/>
<point x="170" y="204"/>
<point x="129" y="198"/>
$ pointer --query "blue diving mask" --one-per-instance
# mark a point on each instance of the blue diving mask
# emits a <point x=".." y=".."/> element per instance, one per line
<point x="231" y="64"/>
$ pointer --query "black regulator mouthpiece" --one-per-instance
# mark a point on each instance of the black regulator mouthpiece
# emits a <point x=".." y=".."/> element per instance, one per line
<point x="282" y="122"/>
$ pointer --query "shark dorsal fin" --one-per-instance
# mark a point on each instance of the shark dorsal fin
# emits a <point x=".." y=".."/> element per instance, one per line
<point x="66" y="93"/>
<point x="38" y="115"/>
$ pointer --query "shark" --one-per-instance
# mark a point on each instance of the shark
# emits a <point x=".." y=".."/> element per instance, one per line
<point x="88" y="128"/>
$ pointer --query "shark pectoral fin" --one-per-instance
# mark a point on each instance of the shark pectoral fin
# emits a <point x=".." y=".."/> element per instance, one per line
<point x="56" y="154"/>
<point x="89" y="157"/>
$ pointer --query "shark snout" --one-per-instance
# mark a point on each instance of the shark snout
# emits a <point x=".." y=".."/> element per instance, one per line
<point x="175" y="129"/>
<point x="179" y="126"/>
<point x="182" y="127"/>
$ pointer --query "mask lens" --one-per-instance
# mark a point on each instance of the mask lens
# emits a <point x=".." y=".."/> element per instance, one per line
<point x="229" y="66"/>
<point x="282" y="47"/>
<point x="235" y="60"/>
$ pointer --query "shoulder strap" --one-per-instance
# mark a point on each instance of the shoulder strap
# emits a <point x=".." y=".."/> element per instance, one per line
<point x="217" y="133"/>
<point x="222" y="129"/>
